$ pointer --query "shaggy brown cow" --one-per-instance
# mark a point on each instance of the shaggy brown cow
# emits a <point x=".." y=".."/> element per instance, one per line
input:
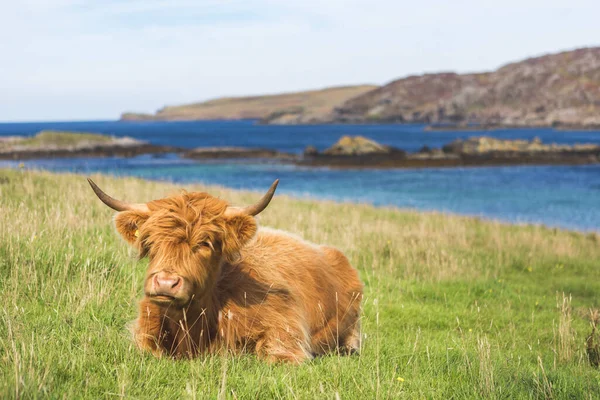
<point x="216" y="281"/>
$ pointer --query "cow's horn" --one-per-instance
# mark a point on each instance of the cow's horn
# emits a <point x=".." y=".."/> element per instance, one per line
<point x="115" y="204"/>
<point x="258" y="207"/>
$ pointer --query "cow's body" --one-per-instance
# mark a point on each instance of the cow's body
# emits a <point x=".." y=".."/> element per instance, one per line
<point x="286" y="299"/>
<point x="216" y="282"/>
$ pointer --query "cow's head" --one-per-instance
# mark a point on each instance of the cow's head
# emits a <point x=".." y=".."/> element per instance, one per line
<point x="186" y="238"/>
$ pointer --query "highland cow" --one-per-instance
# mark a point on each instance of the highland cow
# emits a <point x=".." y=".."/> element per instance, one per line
<point x="217" y="282"/>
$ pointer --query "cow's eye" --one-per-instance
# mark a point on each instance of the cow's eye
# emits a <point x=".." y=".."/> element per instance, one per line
<point x="204" y="245"/>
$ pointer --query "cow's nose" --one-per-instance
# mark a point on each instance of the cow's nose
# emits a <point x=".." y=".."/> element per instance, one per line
<point x="167" y="284"/>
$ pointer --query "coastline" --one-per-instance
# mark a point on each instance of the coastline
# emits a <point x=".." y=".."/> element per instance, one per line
<point x="312" y="198"/>
<point x="463" y="187"/>
<point x="475" y="127"/>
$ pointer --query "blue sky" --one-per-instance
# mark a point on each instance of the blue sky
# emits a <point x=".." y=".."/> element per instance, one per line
<point x="93" y="59"/>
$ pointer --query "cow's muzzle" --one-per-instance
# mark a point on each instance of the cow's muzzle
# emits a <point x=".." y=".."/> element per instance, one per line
<point x="165" y="285"/>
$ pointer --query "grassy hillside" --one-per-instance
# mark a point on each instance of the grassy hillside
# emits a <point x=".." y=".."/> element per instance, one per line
<point x="454" y="307"/>
<point x="313" y="102"/>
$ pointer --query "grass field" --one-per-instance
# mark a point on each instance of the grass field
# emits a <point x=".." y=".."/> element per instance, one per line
<point x="454" y="307"/>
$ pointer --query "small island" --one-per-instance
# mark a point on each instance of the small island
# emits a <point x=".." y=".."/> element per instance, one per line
<point x="57" y="144"/>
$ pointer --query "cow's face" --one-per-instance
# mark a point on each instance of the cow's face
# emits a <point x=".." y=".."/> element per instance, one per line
<point x="186" y="238"/>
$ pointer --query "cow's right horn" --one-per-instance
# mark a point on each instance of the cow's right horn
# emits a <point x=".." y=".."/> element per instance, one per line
<point x="115" y="204"/>
<point x="257" y="207"/>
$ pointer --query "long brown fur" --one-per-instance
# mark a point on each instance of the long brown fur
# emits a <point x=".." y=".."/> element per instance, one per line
<point x="250" y="290"/>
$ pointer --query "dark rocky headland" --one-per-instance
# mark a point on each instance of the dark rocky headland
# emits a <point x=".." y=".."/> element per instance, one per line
<point x="557" y="90"/>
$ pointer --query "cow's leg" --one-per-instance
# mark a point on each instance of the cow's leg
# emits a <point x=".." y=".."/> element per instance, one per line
<point x="350" y="339"/>
<point x="288" y="345"/>
<point x="341" y="335"/>
<point x="325" y="339"/>
<point x="148" y="329"/>
<point x="351" y="342"/>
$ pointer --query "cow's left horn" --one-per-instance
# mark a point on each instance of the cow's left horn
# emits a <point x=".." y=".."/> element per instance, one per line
<point x="115" y="204"/>
<point x="258" y="207"/>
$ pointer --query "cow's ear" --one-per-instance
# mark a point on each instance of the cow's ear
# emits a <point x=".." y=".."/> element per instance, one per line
<point x="240" y="229"/>
<point x="128" y="224"/>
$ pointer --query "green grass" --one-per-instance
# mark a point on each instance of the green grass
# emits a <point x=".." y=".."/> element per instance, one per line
<point x="454" y="307"/>
<point x="59" y="138"/>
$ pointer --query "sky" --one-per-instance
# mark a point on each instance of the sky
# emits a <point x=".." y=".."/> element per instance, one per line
<point x="93" y="59"/>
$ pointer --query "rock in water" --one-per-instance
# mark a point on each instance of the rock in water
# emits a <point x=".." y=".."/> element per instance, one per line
<point x="310" y="151"/>
<point x="356" y="145"/>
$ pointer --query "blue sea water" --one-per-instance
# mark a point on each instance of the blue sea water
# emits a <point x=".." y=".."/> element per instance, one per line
<point x="562" y="196"/>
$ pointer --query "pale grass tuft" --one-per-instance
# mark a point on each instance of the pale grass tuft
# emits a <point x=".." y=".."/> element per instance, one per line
<point x="564" y="334"/>
<point x="486" y="369"/>
<point x="542" y="383"/>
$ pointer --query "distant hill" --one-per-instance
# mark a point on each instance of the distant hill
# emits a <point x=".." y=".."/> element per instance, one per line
<point x="314" y="104"/>
<point x="553" y="90"/>
<point x="561" y="90"/>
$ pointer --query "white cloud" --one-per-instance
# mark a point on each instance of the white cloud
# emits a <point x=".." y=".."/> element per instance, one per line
<point x="93" y="59"/>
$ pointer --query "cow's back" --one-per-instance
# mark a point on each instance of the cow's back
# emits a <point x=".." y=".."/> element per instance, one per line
<point x="319" y="280"/>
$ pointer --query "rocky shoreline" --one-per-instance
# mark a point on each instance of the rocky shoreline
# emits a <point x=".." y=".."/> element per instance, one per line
<point x="217" y="153"/>
<point x="359" y="152"/>
<point x="93" y="151"/>
<point x="348" y="153"/>
<point x="493" y="127"/>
